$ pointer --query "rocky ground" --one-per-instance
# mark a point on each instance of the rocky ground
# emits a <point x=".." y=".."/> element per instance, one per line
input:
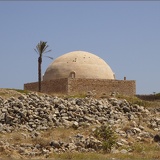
<point x="30" y="125"/>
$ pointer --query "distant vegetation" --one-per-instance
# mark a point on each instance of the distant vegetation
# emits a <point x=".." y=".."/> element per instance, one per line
<point x="150" y="97"/>
<point x="142" y="101"/>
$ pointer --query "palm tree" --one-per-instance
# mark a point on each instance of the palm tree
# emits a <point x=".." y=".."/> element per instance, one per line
<point x="41" y="48"/>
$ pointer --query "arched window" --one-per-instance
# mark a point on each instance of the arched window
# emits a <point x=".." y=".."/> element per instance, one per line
<point x="73" y="74"/>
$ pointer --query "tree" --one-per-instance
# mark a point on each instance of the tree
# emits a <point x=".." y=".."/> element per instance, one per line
<point x="41" y="49"/>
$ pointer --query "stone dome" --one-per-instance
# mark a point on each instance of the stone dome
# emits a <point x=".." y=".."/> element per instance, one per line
<point x="78" y="64"/>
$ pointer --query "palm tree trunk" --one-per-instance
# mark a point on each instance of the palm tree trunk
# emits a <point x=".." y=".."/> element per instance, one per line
<point x="39" y="73"/>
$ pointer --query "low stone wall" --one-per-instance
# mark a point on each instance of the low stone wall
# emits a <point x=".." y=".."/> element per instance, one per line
<point x="100" y="86"/>
<point x="59" y="86"/>
<point x="74" y="86"/>
<point x="31" y="86"/>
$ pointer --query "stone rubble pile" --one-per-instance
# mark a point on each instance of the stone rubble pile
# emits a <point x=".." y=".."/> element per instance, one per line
<point x="35" y="113"/>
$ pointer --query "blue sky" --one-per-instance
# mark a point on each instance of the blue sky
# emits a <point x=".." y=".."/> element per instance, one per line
<point x="125" y="34"/>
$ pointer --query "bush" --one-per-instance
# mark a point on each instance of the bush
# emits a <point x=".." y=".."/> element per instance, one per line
<point x="107" y="136"/>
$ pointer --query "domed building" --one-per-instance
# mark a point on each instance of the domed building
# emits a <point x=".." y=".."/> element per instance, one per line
<point x="79" y="72"/>
<point x="78" y="64"/>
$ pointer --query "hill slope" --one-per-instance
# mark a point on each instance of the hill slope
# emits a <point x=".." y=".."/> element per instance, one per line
<point x="36" y="125"/>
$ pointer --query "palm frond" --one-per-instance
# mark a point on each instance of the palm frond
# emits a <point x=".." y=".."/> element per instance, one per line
<point x="41" y="48"/>
<point x="49" y="57"/>
<point x="35" y="50"/>
<point x="48" y="51"/>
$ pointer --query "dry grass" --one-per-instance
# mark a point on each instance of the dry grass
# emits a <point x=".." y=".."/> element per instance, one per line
<point x="7" y="93"/>
<point x="140" y="151"/>
<point x="43" y="142"/>
<point x="128" y="126"/>
<point x="43" y="138"/>
<point x="97" y="156"/>
<point x="78" y="156"/>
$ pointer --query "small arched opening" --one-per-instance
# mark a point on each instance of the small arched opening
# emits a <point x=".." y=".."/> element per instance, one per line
<point x="72" y="74"/>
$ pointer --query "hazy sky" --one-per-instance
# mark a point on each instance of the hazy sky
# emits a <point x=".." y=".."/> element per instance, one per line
<point x="125" y="34"/>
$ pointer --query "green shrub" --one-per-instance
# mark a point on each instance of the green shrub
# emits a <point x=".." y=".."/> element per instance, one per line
<point x="107" y="136"/>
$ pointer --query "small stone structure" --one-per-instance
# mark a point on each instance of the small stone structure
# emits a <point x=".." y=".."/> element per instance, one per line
<point x="79" y="72"/>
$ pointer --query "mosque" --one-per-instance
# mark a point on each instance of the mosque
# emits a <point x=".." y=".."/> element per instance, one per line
<point x="80" y="72"/>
